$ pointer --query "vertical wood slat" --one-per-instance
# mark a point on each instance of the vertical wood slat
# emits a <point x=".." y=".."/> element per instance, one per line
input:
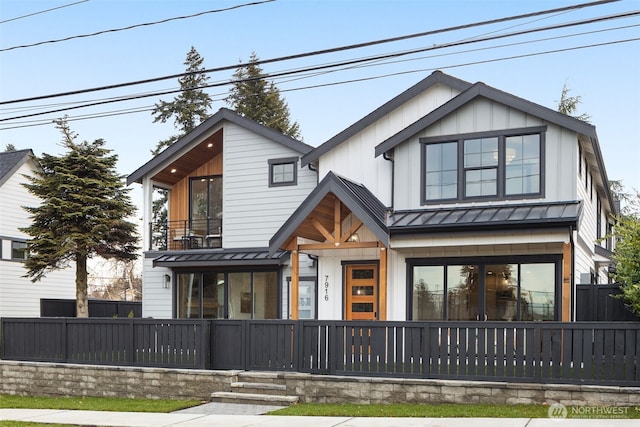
<point x="556" y="356"/>
<point x="567" y="350"/>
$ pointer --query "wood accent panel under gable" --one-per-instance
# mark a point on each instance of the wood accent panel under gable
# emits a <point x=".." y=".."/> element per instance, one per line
<point x="179" y="200"/>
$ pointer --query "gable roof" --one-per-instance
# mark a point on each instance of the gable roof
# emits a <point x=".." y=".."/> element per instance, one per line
<point x="215" y="119"/>
<point x="482" y="90"/>
<point x="437" y="77"/>
<point x="10" y="162"/>
<point x="362" y="203"/>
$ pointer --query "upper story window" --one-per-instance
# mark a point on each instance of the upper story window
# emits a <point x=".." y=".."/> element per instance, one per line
<point x="283" y="172"/>
<point x="487" y="165"/>
<point x="19" y="251"/>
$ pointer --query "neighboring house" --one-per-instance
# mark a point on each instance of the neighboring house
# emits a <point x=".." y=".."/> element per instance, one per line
<point x="455" y="201"/>
<point x="232" y="183"/>
<point x="19" y="297"/>
<point x="452" y="201"/>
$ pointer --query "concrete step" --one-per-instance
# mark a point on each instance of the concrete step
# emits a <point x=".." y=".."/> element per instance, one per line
<point x="259" y="388"/>
<point x="266" y="377"/>
<point x="252" y="398"/>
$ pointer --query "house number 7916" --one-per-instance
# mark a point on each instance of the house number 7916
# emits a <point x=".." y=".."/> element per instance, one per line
<point x="326" y="288"/>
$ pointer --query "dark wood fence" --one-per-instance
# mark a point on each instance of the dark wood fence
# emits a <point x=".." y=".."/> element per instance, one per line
<point x="598" y="303"/>
<point x="539" y="352"/>
<point x="52" y="307"/>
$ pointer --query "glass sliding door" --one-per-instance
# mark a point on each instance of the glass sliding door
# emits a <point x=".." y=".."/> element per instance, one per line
<point x="213" y="296"/>
<point x="205" y="210"/>
<point x="188" y="295"/>
<point x="497" y="289"/>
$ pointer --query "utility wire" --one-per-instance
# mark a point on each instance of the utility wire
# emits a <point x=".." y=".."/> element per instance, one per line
<point x="43" y="11"/>
<point x="115" y="30"/>
<point x="318" y="52"/>
<point x="144" y="108"/>
<point x="343" y="63"/>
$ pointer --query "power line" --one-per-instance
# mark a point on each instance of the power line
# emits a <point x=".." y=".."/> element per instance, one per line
<point x="319" y="52"/>
<point x="147" y="108"/>
<point x="115" y="30"/>
<point x="342" y="63"/>
<point x="43" y="11"/>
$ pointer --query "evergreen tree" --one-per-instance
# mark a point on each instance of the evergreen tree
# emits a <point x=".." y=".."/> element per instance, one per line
<point x="190" y="107"/>
<point x="83" y="212"/>
<point x="569" y="105"/>
<point x="9" y="147"/>
<point x="256" y="99"/>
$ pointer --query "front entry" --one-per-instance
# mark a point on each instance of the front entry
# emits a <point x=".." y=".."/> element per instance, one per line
<point x="361" y="286"/>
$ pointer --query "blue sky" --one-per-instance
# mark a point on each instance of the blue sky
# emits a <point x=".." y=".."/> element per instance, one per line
<point x="606" y="77"/>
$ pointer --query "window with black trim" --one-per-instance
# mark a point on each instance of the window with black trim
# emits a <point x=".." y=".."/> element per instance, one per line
<point x="283" y="172"/>
<point x="19" y="251"/>
<point x="483" y="165"/>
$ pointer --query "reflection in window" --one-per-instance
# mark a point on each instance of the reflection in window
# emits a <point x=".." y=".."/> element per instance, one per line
<point x="428" y="292"/>
<point x="537" y="291"/>
<point x="213" y="296"/>
<point x="522" y="171"/>
<point x="441" y="181"/>
<point x="19" y="250"/>
<point x="501" y="292"/>
<point x="462" y="292"/>
<point x="188" y="296"/>
<point x="253" y="295"/>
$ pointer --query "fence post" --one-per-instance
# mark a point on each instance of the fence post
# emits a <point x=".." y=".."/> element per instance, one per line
<point x="537" y="352"/>
<point x="65" y="340"/>
<point x="298" y="336"/>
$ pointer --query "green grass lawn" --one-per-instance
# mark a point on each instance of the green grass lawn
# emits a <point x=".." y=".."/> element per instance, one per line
<point x="425" y="410"/>
<point x="95" y="403"/>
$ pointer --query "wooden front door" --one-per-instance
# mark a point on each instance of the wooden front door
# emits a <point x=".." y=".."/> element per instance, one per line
<point x="361" y="292"/>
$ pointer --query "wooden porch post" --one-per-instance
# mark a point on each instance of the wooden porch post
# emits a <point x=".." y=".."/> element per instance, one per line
<point x="295" y="273"/>
<point x="382" y="315"/>
<point x="566" y="283"/>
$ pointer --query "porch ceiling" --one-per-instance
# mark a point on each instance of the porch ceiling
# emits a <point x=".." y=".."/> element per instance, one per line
<point x="191" y="160"/>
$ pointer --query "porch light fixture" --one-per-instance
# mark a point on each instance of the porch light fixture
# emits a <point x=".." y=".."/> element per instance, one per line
<point x="166" y="282"/>
<point x="174" y="170"/>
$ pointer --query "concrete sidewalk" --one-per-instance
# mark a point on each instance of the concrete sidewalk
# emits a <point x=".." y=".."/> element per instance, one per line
<point x="183" y="419"/>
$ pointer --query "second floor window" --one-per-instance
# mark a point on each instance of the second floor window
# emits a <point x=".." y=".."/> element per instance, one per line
<point x="19" y="250"/>
<point x="283" y="172"/>
<point x="489" y="165"/>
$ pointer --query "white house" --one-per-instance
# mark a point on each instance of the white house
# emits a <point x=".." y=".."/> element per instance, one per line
<point x="455" y="201"/>
<point x="232" y="183"/>
<point x="452" y="201"/>
<point x="19" y="297"/>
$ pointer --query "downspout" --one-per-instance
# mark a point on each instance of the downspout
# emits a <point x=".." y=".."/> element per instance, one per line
<point x="386" y="157"/>
<point x="573" y="269"/>
<point x="312" y="168"/>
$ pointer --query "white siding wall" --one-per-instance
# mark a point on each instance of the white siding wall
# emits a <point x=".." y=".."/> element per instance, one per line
<point x="157" y="301"/>
<point x="355" y="158"/>
<point x="253" y="211"/>
<point x="479" y="116"/>
<point x="19" y="297"/>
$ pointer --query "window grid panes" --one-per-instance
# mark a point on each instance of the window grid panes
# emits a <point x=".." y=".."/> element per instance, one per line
<point x="496" y="166"/>
<point x="283" y="173"/>
<point x="441" y="180"/>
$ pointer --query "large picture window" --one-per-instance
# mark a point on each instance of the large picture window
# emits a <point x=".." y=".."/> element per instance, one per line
<point x="497" y="289"/>
<point x="494" y="165"/>
<point x="227" y="295"/>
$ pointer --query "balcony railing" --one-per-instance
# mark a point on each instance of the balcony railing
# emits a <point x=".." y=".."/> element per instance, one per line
<point x="185" y="234"/>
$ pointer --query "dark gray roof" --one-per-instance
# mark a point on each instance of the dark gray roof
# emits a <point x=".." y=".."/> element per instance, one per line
<point x="364" y="205"/>
<point x="433" y="79"/>
<point x="10" y="162"/>
<point x="221" y="258"/>
<point x="222" y="114"/>
<point x="473" y="218"/>
<point x="482" y="90"/>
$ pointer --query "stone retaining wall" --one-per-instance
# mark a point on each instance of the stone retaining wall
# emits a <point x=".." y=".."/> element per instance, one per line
<point x="50" y="379"/>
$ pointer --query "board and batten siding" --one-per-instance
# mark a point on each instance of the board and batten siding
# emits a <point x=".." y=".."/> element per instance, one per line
<point x="355" y="157"/>
<point x="253" y="211"/>
<point x="19" y="297"/>
<point x="482" y="115"/>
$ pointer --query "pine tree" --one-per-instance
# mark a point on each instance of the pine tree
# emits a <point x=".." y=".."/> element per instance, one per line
<point x="9" y="147"/>
<point x="82" y="215"/>
<point x="256" y="99"/>
<point x="569" y="105"/>
<point x="190" y="107"/>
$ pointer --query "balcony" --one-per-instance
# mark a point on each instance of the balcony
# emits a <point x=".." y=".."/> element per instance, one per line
<point x="185" y="234"/>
